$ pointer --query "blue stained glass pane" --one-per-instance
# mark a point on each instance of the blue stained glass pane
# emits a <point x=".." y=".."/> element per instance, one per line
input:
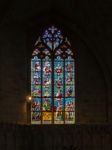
<point x="69" y="78"/>
<point x="69" y="104"/>
<point x="69" y="91"/>
<point x="58" y="68"/>
<point x="48" y="42"/>
<point x="46" y="84"/>
<point x="36" y="104"/>
<point x="58" y="104"/>
<point x="52" y="37"/>
<point x="36" y="78"/>
<point x="58" y="78"/>
<point x="47" y="68"/>
<point x="58" y="81"/>
<point x="46" y="80"/>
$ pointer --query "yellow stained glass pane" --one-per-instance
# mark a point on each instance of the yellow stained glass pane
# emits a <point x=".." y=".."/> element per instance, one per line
<point x="47" y="116"/>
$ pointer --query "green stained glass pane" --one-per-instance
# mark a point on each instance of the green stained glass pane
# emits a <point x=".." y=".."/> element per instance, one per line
<point x="46" y="104"/>
<point x="35" y="91"/>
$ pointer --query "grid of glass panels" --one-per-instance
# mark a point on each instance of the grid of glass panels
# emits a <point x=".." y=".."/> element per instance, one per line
<point x="52" y="81"/>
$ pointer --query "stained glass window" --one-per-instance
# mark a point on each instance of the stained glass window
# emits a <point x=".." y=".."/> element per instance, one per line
<point x="52" y="79"/>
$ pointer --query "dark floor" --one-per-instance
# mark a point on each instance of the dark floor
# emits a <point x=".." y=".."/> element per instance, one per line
<point x="56" y="137"/>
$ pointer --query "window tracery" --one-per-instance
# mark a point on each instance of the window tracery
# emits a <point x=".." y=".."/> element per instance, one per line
<point x="52" y="79"/>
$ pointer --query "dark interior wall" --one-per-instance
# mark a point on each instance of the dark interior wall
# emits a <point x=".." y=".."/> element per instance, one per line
<point x="87" y="26"/>
<point x="13" y="73"/>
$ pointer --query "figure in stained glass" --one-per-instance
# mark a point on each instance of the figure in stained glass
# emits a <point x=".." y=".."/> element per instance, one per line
<point x="46" y="92"/>
<point x="36" y="104"/>
<point x="36" y="90"/>
<point x="59" y="69"/>
<point x="47" y="68"/>
<point x="52" y="79"/>
<point x="47" y="82"/>
<point x="59" y="82"/>
<point x="46" y="104"/>
<point x="69" y="67"/>
<point x="58" y="103"/>
<point x="37" y="66"/>
<point x="68" y="79"/>
<point x="36" y="78"/>
<point x="69" y="91"/>
<point x="69" y="104"/>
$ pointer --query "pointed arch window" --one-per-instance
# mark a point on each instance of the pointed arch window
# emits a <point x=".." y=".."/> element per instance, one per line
<point x="52" y="79"/>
